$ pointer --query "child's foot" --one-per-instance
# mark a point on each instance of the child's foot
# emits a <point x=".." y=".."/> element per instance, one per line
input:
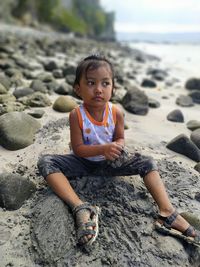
<point x="176" y="225"/>
<point x="87" y="223"/>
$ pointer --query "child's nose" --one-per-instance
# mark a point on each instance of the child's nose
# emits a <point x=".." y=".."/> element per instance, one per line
<point x="98" y="87"/>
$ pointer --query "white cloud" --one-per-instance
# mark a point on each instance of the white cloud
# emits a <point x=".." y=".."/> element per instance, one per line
<point x="167" y="5"/>
<point x="188" y="5"/>
<point x="155" y="15"/>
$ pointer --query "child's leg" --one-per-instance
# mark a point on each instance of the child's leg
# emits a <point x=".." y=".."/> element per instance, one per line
<point x="156" y="188"/>
<point x="52" y="168"/>
<point x="61" y="186"/>
<point x="147" y="168"/>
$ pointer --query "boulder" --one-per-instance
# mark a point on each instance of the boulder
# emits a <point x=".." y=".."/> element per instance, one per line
<point x="153" y="103"/>
<point x="37" y="99"/>
<point x="3" y="89"/>
<point x="14" y="190"/>
<point x="197" y="168"/>
<point x="157" y="74"/>
<point x="17" y="130"/>
<point x="193" y="84"/>
<point x="5" y="98"/>
<point x="51" y="65"/>
<point x="53" y="228"/>
<point x="38" y="113"/>
<point x="64" y="104"/>
<point x="38" y="86"/>
<point x="184" y="101"/>
<point x="10" y="107"/>
<point x="70" y="79"/>
<point x="68" y="70"/>
<point x="57" y="73"/>
<point x="64" y="89"/>
<point x="195" y="95"/>
<point x="193" y="125"/>
<point x="22" y="92"/>
<point x="175" y="116"/>
<point x="195" y="137"/>
<point x="136" y="102"/>
<point x="148" y="83"/>
<point x="183" y="145"/>
<point x="5" y="81"/>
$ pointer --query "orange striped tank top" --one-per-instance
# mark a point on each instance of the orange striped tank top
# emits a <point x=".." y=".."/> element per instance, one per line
<point x="95" y="132"/>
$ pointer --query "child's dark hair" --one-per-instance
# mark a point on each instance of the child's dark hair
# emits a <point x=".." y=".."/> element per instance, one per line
<point x="90" y="63"/>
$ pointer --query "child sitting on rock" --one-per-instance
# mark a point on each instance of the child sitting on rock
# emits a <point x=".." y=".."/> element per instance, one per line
<point x="97" y="141"/>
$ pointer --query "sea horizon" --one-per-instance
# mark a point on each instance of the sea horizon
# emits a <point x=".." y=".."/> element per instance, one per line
<point x="154" y="37"/>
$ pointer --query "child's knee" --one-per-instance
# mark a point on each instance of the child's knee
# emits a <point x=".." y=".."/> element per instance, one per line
<point x="150" y="165"/>
<point x="45" y="165"/>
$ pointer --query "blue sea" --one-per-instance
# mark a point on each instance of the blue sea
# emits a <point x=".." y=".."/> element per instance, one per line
<point x="188" y="37"/>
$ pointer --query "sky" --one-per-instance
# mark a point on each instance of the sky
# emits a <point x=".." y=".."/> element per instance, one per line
<point x="155" y="16"/>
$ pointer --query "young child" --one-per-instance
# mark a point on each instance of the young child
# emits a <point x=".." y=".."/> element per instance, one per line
<point x="97" y="141"/>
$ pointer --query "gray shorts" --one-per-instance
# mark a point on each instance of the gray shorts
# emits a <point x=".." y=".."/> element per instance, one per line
<point x="72" y="166"/>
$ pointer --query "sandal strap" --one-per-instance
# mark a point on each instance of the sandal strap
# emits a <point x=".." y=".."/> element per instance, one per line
<point x="188" y="231"/>
<point x="84" y="206"/>
<point x="85" y="232"/>
<point x="168" y="221"/>
<point x="88" y="224"/>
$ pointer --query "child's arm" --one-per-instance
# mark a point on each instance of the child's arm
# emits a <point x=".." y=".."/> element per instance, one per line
<point x="110" y="151"/>
<point x="119" y="127"/>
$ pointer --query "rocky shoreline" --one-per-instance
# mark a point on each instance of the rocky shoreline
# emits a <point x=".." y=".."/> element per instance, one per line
<point x="162" y="120"/>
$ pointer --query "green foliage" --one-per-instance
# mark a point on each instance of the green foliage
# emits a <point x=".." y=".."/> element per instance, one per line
<point x="92" y="13"/>
<point x="83" y="16"/>
<point x="65" y="20"/>
<point x="46" y="9"/>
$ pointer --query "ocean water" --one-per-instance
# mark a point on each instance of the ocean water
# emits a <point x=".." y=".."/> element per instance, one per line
<point x="173" y="37"/>
<point x="182" y="58"/>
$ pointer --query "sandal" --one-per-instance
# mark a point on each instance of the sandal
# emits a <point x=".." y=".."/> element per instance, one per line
<point x="82" y="229"/>
<point x="166" y="228"/>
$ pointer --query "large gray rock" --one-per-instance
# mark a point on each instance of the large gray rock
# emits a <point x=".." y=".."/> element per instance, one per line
<point x="23" y="92"/>
<point x="5" y="98"/>
<point x="195" y="137"/>
<point x="64" y="104"/>
<point x="14" y="190"/>
<point x="148" y="83"/>
<point x="157" y="74"/>
<point x="38" y="86"/>
<point x="126" y="224"/>
<point x="193" y="84"/>
<point x="37" y="99"/>
<point x="5" y="81"/>
<point x="3" y="89"/>
<point x="176" y="116"/>
<point x="53" y="228"/>
<point x="136" y="102"/>
<point x="11" y="107"/>
<point x="195" y="95"/>
<point x="17" y="130"/>
<point x="184" y="101"/>
<point x="183" y="145"/>
<point x="197" y="167"/>
<point x="193" y="125"/>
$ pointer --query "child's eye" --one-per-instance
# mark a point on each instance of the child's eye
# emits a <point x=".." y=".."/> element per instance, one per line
<point x="90" y="83"/>
<point x="106" y="84"/>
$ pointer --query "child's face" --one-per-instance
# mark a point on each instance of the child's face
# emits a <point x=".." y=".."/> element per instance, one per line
<point x="95" y="88"/>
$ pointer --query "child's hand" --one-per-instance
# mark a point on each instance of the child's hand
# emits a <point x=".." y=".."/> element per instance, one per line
<point x="112" y="150"/>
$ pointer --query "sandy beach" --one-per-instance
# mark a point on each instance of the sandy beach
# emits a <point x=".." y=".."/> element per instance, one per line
<point x="133" y="211"/>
